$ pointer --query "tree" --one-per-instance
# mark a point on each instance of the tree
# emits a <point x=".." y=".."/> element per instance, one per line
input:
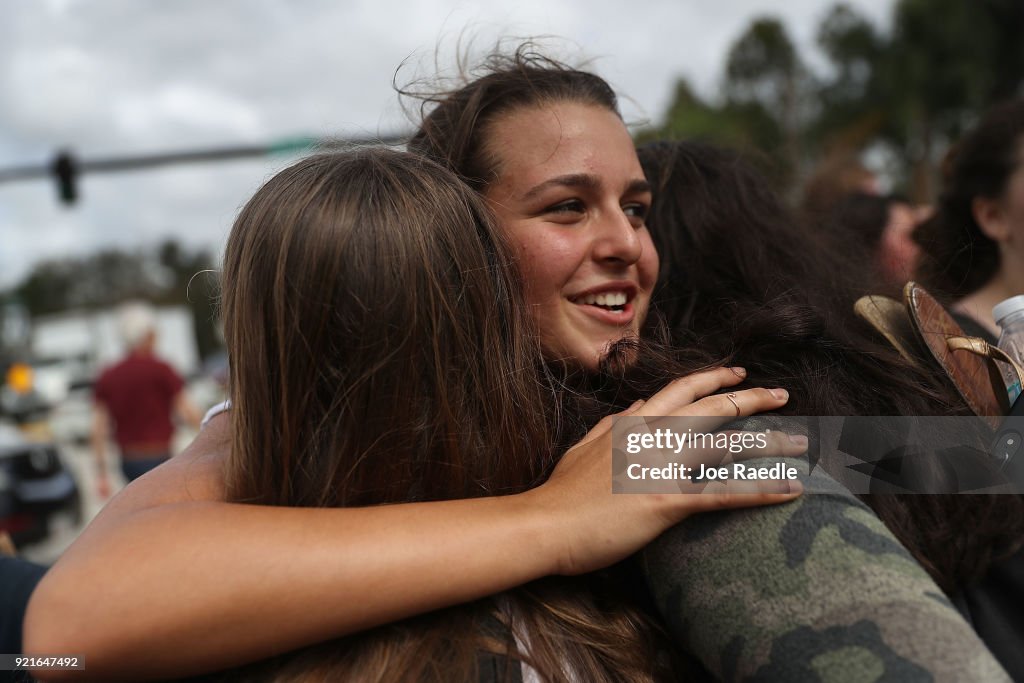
<point x="910" y="91"/>
<point x="850" y="110"/>
<point x="195" y="283"/>
<point x="167" y="275"/>
<point x="738" y="125"/>
<point x="918" y="88"/>
<point x="764" y="72"/>
<point x="759" y="112"/>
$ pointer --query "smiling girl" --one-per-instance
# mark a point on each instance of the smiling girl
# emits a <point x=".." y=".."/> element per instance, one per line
<point x="572" y="198"/>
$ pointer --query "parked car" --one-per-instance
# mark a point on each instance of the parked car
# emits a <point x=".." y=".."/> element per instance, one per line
<point x="36" y="486"/>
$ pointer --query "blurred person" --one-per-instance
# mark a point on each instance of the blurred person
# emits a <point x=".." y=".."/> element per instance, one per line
<point x="973" y="244"/>
<point x="835" y="179"/>
<point x="883" y="226"/>
<point x="544" y="145"/>
<point x="139" y="396"/>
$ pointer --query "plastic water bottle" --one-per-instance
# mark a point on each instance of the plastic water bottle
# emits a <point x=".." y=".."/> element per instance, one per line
<point x="1009" y="316"/>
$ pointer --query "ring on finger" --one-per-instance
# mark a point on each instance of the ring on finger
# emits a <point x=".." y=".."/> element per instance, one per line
<point x="732" y="399"/>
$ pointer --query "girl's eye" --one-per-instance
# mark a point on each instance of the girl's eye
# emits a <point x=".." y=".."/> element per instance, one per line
<point x="637" y="213"/>
<point x="570" y="206"/>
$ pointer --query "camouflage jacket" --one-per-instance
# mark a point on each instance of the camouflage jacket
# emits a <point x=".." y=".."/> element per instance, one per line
<point x="814" y="590"/>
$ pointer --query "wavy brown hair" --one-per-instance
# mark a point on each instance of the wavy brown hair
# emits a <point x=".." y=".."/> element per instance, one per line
<point x="455" y="123"/>
<point x="957" y="257"/>
<point x="380" y="353"/>
<point x="741" y="280"/>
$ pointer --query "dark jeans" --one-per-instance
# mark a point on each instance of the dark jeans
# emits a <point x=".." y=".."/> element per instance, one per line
<point x="133" y="468"/>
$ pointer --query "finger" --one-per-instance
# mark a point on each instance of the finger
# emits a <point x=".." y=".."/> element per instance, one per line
<point x="713" y="411"/>
<point x="710" y="413"/>
<point x="739" y="403"/>
<point x="637" y="405"/>
<point x="685" y="390"/>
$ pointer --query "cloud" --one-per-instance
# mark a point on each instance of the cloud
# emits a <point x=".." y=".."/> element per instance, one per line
<point x="109" y="77"/>
<point x="175" y="109"/>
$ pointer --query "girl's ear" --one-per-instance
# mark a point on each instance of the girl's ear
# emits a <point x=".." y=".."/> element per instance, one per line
<point x="991" y="218"/>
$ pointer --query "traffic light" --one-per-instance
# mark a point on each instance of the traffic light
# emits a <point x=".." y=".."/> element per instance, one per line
<point x="65" y="169"/>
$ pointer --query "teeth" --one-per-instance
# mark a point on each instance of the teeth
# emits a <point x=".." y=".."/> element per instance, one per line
<point x="607" y="299"/>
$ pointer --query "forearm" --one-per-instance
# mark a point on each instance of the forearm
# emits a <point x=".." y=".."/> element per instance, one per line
<point x="202" y="584"/>
<point x="788" y="593"/>
<point x="186" y="411"/>
<point x="149" y="596"/>
<point x="98" y="439"/>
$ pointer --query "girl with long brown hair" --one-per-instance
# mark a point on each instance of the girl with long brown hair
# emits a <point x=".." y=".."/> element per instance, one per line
<point x="546" y="147"/>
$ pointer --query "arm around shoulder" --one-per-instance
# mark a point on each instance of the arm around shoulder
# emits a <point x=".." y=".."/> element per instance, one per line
<point x="169" y="580"/>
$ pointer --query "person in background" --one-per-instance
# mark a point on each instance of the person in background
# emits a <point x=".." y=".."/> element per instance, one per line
<point x="973" y="245"/>
<point x="138" y="398"/>
<point x="883" y="226"/>
<point x="835" y="179"/>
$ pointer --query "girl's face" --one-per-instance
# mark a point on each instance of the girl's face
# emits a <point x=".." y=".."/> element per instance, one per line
<point x="897" y="250"/>
<point x="1012" y="203"/>
<point x="572" y="198"/>
<point x="1002" y="218"/>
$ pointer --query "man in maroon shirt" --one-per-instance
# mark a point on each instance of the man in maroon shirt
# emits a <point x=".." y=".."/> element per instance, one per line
<point x="138" y="396"/>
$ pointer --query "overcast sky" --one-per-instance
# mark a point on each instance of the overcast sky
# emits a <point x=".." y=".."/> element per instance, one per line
<point x="112" y="77"/>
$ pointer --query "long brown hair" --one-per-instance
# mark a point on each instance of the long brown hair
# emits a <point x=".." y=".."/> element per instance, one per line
<point x="740" y="279"/>
<point x="380" y="353"/>
<point x="365" y="311"/>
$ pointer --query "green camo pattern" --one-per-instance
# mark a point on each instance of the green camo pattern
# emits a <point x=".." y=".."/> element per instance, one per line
<point x="813" y="590"/>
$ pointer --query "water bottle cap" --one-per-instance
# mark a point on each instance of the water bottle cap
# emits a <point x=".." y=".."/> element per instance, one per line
<point x="1008" y="307"/>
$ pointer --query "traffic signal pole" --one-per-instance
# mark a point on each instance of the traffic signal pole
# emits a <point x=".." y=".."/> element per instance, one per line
<point x="66" y="168"/>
